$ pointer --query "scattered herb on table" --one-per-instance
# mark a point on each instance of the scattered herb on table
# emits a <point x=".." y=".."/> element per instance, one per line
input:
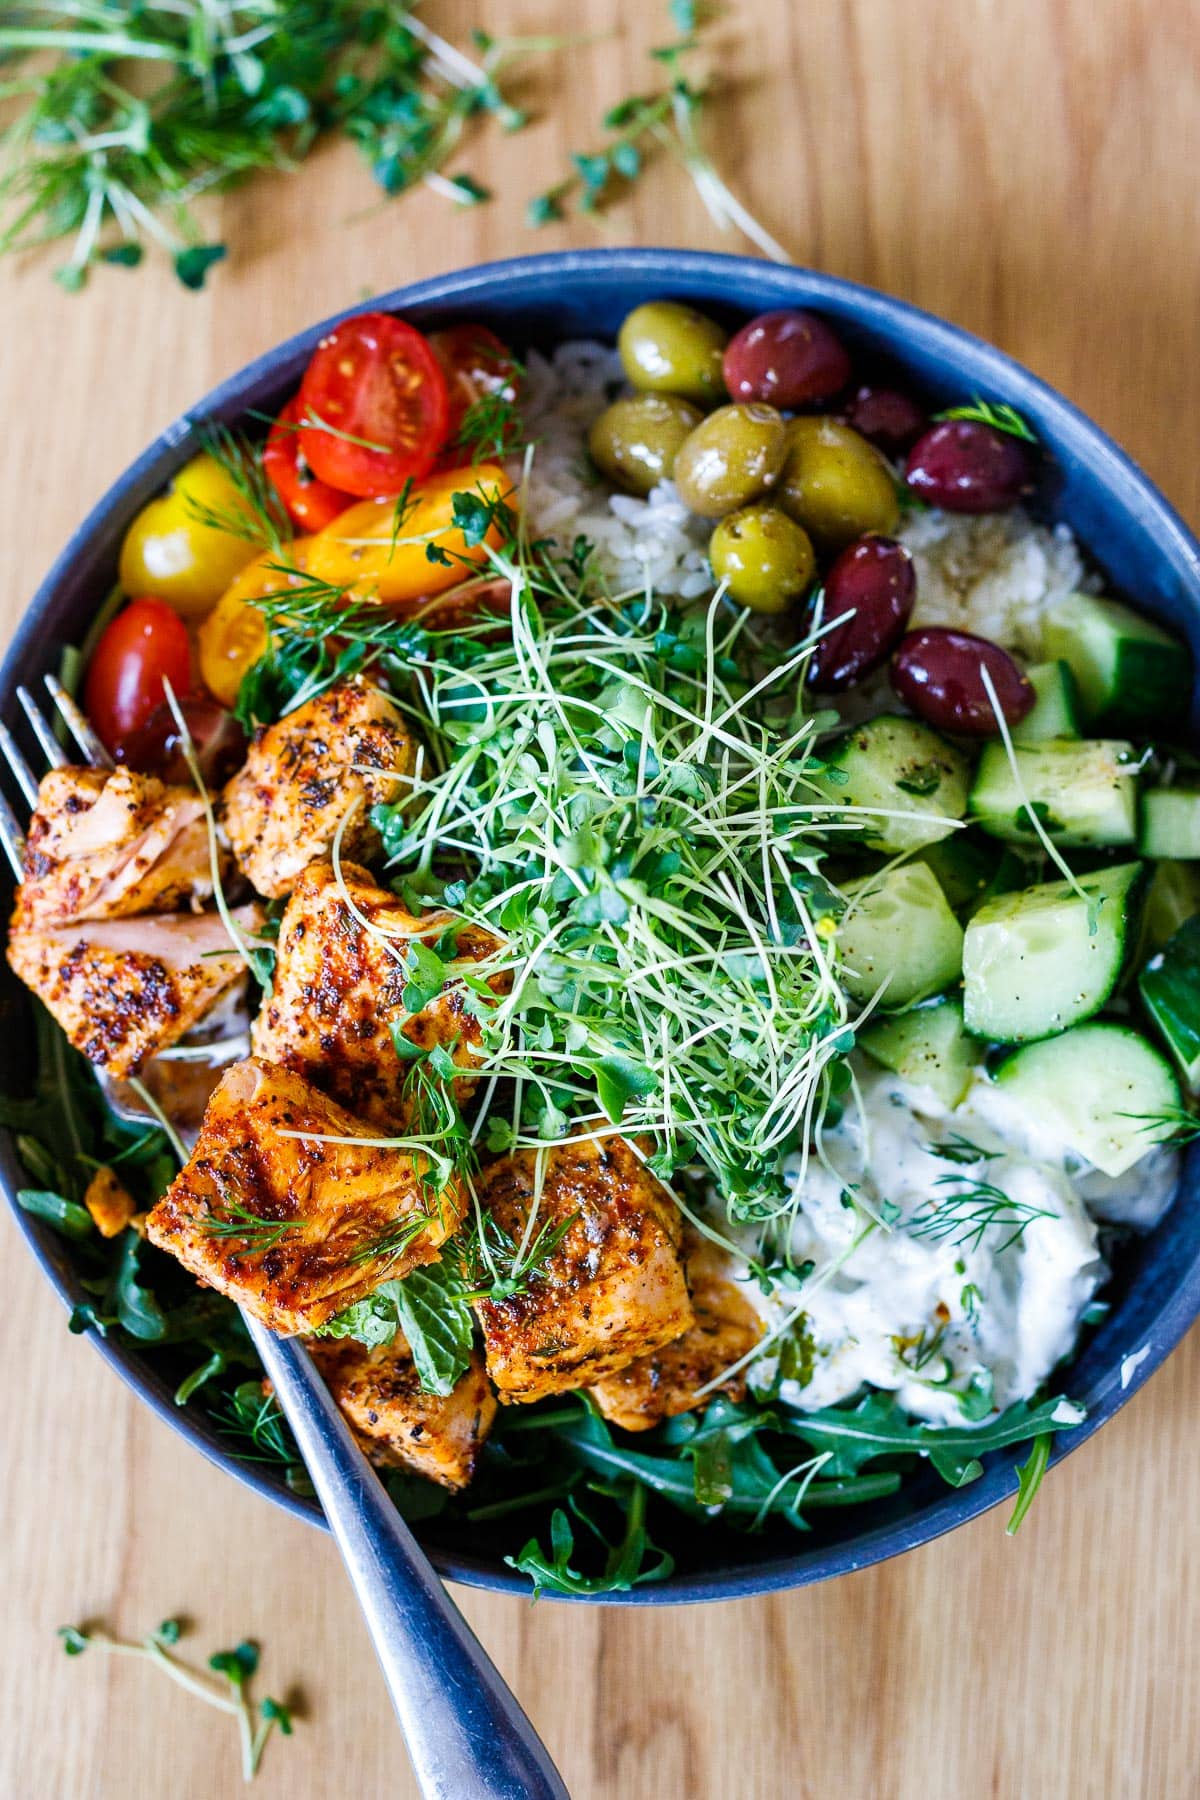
<point x="228" y="1692"/>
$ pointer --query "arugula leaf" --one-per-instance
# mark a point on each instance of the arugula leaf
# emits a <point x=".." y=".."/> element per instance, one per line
<point x="66" y="1216"/>
<point x="1029" y="1479"/>
<point x="878" y="1426"/>
<point x="630" y="1561"/>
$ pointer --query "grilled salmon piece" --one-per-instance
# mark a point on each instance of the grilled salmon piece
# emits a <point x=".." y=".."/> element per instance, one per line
<point x="612" y="1289"/>
<point x="290" y="1225"/>
<point x="339" y="986"/>
<point x="305" y="773"/>
<point x="124" y="989"/>
<point x="667" y="1382"/>
<point x="107" y="843"/>
<point x="398" y="1425"/>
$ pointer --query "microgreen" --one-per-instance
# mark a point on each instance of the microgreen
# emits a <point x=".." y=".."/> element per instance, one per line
<point x="229" y="1694"/>
<point x="999" y="415"/>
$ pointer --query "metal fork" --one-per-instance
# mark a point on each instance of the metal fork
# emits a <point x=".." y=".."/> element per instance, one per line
<point x="466" y="1734"/>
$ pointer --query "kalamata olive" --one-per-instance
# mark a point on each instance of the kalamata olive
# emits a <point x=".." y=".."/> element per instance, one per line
<point x="732" y="457"/>
<point x="218" y="741"/>
<point x="765" y="558"/>
<point x="671" y="349"/>
<point x="968" y="467"/>
<point x="788" y="358"/>
<point x="874" y="581"/>
<point x="887" y="418"/>
<point x="835" y="484"/>
<point x="635" y="440"/>
<point x="937" y="672"/>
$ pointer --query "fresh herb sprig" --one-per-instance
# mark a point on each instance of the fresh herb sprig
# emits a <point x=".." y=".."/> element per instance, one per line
<point x="964" y="1211"/>
<point x="228" y="1693"/>
<point x="998" y="414"/>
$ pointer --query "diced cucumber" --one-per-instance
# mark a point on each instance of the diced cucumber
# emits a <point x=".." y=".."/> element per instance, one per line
<point x="1171" y="824"/>
<point x="1083" y="791"/>
<point x="910" y="782"/>
<point x="1172" y="897"/>
<point x="927" y="1046"/>
<point x="1055" y="712"/>
<point x="964" y="867"/>
<point x="1129" y="670"/>
<point x="1170" y="988"/>
<point x="898" y="930"/>
<point x="1100" y="1087"/>
<point x="1040" y="960"/>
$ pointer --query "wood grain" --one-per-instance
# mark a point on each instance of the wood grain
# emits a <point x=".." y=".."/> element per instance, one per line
<point x="1028" y="169"/>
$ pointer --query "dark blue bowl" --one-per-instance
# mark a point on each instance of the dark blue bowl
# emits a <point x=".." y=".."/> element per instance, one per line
<point x="1146" y="552"/>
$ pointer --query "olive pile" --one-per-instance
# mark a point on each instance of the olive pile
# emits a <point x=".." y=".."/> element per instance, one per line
<point x="737" y="424"/>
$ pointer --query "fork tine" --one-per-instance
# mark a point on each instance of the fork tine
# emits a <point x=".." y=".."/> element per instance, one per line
<point x="53" y="751"/>
<point x="26" y="779"/>
<point x="78" y="726"/>
<point x="12" y="838"/>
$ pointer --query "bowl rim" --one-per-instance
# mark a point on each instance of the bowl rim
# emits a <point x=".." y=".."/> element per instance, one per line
<point x="691" y="272"/>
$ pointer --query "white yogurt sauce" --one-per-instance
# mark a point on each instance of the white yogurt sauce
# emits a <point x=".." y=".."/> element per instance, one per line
<point x="936" y="1319"/>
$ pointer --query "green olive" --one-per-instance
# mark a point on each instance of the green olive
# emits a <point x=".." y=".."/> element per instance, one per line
<point x="765" y="558"/>
<point x="669" y="349"/>
<point x="835" y="483"/>
<point x="732" y="457"/>
<point x="635" y="440"/>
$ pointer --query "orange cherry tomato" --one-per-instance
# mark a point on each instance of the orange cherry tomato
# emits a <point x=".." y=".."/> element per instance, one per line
<point x="476" y="363"/>
<point x="234" y="635"/>
<point x="311" y="504"/>
<point x="379" y="395"/>
<point x="367" y="550"/>
<point x="145" y="642"/>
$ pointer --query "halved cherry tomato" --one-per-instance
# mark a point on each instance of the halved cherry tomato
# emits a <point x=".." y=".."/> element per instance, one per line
<point x="218" y="743"/>
<point x="475" y="363"/>
<point x="378" y="390"/>
<point x="365" y="549"/>
<point x="124" y="682"/>
<point x="311" y="504"/>
<point x="170" y="552"/>
<point x="234" y="634"/>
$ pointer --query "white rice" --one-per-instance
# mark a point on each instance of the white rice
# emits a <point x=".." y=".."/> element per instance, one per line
<point x="997" y="575"/>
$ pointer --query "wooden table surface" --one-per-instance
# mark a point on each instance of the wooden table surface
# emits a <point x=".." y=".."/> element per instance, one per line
<point x="1028" y="169"/>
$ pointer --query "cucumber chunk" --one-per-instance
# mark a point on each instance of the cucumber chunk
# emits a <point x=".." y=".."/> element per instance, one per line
<point x="1130" y="671"/>
<point x="1100" y="1087"/>
<point x="898" y="929"/>
<point x="1040" y="960"/>
<point x="1084" y="792"/>
<point x="912" y="783"/>
<point x="928" y="1046"/>
<point x="1170" y="989"/>
<point x="1171" y="824"/>
<point x="964" y="867"/>
<point x="1172" y="897"/>
<point x="1055" y="712"/>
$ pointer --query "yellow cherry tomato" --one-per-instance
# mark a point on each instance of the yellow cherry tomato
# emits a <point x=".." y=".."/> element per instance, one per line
<point x="365" y="549"/>
<point x="234" y="634"/>
<point x="169" y="551"/>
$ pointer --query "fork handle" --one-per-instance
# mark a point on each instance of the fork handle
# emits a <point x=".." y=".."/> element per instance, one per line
<point x="466" y="1734"/>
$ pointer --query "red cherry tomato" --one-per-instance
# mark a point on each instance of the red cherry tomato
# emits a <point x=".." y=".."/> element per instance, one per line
<point x="311" y="504"/>
<point x="376" y="385"/>
<point x="475" y="363"/>
<point x="124" y="683"/>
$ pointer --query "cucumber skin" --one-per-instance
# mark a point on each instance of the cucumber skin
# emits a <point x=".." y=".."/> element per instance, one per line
<point x="990" y="1016"/>
<point x="1053" y="774"/>
<point x="1130" y="672"/>
<point x="1108" y="1128"/>
<point x="1055" y="712"/>
<point x="1170" y="990"/>
<point x="1170" y="828"/>
<point x="1172" y="896"/>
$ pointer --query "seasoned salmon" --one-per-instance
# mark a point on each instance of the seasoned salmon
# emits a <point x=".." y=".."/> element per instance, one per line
<point x="108" y="843"/>
<point x="340" y="754"/>
<point x="398" y="1425"/>
<point x="124" y="989"/>
<point x="612" y="1289"/>
<point x="284" y="1207"/>
<point x="339" y="990"/>
<point x="668" y="1381"/>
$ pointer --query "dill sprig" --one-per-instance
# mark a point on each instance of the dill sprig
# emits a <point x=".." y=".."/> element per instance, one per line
<point x="496" y="1267"/>
<point x="998" y="414"/>
<point x="965" y="1211"/>
<point x="258" y="516"/>
<point x="237" y="1221"/>
<point x="1174" y="1125"/>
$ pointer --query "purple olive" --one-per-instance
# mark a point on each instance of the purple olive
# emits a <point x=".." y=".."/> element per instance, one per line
<point x="788" y="359"/>
<point x="967" y="467"/>
<point x="890" y="420"/>
<point x="938" y="673"/>
<point x="873" y="579"/>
